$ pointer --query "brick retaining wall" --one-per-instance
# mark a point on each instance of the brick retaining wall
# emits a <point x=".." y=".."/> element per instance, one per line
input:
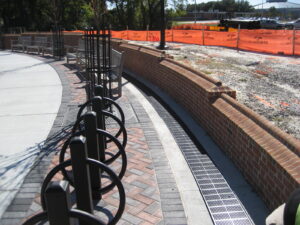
<point x="267" y="156"/>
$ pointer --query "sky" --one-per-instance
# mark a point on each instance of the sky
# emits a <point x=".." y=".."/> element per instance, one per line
<point x="252" y="2"/>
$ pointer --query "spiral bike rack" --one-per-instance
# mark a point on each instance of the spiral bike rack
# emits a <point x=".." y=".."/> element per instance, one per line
<point x="82" y="183"/>
<point x="94" y="151"/>
<point x="102" y="104"/>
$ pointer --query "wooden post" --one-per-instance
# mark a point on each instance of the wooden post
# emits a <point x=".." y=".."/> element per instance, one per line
<point x="172" y="34"/>
<point x="147" y="33"/>
<point x="203" y="35"/>
<point x="238" y="38"/>
<point x="294" y="40"/>
<point x="127" y="32"/>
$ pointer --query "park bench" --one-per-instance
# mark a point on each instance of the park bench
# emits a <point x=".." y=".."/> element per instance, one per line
<point x="21" y="43"/>
<point x="38" y="44"/>
<point x="75" y="53"/>
<point x="115" y="75"/>
<point x="117" y="63"/>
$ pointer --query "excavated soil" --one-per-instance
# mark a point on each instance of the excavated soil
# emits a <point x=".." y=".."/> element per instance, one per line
<point x="267" y="84"/>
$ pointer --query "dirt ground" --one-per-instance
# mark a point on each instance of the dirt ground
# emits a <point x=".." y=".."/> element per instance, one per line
<point x="268" y="84"/>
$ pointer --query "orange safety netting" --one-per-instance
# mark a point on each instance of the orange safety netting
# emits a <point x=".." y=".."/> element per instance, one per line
<point x="188" y="36"/>
<point x="215" y="38"/>
<point x="268" y="41"/>
<point x="285" y="42"/>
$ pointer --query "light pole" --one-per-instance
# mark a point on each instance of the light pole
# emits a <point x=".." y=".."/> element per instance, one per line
<point x="195" y="12"/>
<point x="162" y="25"/>
<point x="262" y="8"/>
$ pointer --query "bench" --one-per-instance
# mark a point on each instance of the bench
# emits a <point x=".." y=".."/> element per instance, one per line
<point x="76" y="53"/>
<point x="117" y="62"/>
<point x="38" y="44"/>
<point x="21" y="43"/>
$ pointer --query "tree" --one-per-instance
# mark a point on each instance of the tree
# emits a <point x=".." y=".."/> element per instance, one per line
<point x="224" y="6"/>
<point x="273" y="12"/>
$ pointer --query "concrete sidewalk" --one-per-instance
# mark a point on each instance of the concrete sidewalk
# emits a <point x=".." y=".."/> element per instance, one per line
<point x="30" y="96"/>
<point x="165" y="173"/>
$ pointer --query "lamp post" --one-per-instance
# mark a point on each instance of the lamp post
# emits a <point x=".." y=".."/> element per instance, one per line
<point x="262" y="8"/>
<point x="162" y="25"/>
<point x="195" y="16"/>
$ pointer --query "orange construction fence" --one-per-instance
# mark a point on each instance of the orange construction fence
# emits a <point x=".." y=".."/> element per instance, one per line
<point x="285" y="42"/>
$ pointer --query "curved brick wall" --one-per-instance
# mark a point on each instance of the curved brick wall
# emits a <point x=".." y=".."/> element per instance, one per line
<point x="268" y="157"/>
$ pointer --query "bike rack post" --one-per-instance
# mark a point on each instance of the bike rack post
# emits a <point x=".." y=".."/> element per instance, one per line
<point x="59" y="210"/>
<point x="99" y="91"/>
<point x="58" y="203"/>
<point x="97" y="106"/>
<point x="90" y="121"/>
<point x="81" y="174"/>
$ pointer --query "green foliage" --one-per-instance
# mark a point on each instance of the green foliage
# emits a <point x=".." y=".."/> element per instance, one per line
<point x="224" y="6"/>
<point x="41" y="15"/>
<point x="273" y="12"/>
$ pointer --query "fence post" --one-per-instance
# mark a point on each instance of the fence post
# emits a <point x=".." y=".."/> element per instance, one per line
<point x="90" y="122"/>
<point x="81" y="175"/>
<point x="99" y="91"/>
<point x="172" y="34"/>
<point x="147" y="33"/>
<point x="294" y="40"/>
<point x="203" y="35"/>
<point x="58" y="202"/>
<point x="238" y="38"/>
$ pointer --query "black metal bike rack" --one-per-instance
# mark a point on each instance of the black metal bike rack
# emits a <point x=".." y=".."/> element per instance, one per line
<point x="98" y="60"/>
<point x="90" y="158"/>
<point x="54" y="197"/>
<point x="58" y="204"/>
<point x="97" y="105"/>
<point x="89" y="161"/>
<point x="95" y="149"/>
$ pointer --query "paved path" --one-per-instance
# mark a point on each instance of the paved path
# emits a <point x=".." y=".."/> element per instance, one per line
<point x="30" y="96"/>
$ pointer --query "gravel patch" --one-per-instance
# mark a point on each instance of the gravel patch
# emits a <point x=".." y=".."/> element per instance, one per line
<point x="268" y="84"/>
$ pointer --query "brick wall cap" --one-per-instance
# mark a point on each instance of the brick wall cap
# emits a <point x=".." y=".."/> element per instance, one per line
<point x="197" y="80"/>
<point x="210" y="79"/>
<point x="286" y="139"/>
<point x="129" y="46"/>
<point x="282" y="156"/>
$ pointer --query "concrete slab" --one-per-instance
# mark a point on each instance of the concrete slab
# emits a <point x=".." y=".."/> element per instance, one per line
<point x="29" y="100"/>
<point x="30" y="96"/>
<point x="12" y="80"/>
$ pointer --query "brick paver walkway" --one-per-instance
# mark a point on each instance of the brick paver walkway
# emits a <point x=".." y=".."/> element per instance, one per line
<point x="151" y="193"/>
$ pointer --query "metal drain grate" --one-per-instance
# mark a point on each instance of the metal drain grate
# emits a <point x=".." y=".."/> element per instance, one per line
<point x="224" y="206"/>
